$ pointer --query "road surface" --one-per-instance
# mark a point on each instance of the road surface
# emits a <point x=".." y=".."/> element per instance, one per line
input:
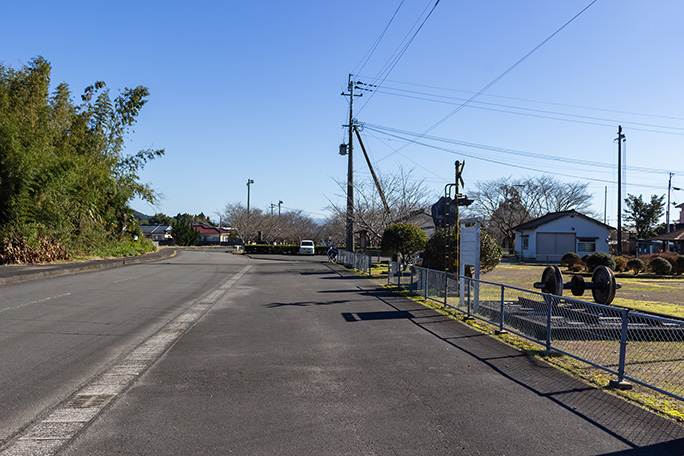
<point x="214" y="353"/>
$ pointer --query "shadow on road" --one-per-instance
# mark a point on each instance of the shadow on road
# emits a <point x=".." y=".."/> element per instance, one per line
<point x="645" y="432"/>
<point x="304" y="303"/>
<point x="673" y="447"/>
<point x="366" y="316"/>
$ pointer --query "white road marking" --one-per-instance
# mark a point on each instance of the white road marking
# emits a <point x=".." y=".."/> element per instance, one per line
<point x="53" y="432"/>
<point x="49" y="298"/>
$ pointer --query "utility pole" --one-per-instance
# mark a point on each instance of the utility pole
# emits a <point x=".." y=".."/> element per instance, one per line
<point x="350" y="166"/>
<point x="249" y="182"/>
<point x="620" y="138"/>
<point x="667" y="213"/>
<point x="605" y="205"/>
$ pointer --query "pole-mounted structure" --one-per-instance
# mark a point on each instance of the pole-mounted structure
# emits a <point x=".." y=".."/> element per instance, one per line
<point x="350" y="166"/>
<point x="620" y="138"/>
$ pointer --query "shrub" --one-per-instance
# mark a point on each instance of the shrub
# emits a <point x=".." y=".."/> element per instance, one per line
<point x="578" y="267"/>
<point x="404" y="239"/>
<point x="433" y="256"/>
<point x="570" y="259"/>
<point x="637" y="265"/>
<point x="671" y="257"/>
<point x="680" y="264"/>
<point x="620" y="263"/>
<point x="660" y="266"/>
<point x="599" y="259"/>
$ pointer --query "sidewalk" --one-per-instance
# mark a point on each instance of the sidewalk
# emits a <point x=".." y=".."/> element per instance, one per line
<point x="10" y="274"/>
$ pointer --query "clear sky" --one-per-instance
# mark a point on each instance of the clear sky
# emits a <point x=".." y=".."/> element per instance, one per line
<point x="251" y="90"/>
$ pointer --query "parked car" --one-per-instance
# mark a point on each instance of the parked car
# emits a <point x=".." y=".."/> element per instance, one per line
<point x="307" y="248"/>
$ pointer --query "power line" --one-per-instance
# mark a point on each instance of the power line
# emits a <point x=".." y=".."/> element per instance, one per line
<point x="511" y="165"/>
<point x="371" y="51"/>
<point x="384" y="130"/>
<point x="528" y="100"/>
<point x="394" y="59"/>
<point x="502" y="75"/>
<point x="538" y="113"/>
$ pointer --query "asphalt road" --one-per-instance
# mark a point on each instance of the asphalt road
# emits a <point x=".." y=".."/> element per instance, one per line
<point x="293" y="356"/>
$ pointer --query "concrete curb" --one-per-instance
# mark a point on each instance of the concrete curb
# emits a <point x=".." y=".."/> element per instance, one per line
<point x="16" y="274"/>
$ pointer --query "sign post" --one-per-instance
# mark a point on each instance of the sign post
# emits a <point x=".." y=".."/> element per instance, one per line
<point x="469" y="249"/>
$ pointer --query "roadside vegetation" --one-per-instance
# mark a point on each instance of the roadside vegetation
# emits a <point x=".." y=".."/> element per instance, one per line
<point x="65" y="179"/>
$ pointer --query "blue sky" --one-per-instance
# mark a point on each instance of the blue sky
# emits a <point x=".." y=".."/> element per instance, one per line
<point x="251" y="90"/>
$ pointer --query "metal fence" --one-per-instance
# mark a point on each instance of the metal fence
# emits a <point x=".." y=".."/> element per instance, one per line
<point x="641" y="348"/>
<point x="355" y="260"/>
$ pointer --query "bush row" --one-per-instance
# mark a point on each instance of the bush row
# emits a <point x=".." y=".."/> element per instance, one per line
<point x="658" y="263"/>
<point x="265" y="249"/>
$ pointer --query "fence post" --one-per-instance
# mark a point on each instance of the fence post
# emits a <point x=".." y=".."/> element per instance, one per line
<point x="549" y="306"/>
<point x="446" y="288"/>
<point x="425" y="283"/>
<point x="501" y="312"/>
<point x="411" y="283"/>
<point x="620" y="383"/>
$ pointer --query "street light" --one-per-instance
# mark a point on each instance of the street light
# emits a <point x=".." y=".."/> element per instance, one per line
<point x="249" y="182"/>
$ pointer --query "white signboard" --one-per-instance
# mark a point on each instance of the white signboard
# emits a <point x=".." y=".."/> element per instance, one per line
<point x="469" y="255"/>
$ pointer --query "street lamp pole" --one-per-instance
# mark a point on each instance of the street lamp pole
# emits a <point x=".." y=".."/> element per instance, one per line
<point x="249" y="182"/>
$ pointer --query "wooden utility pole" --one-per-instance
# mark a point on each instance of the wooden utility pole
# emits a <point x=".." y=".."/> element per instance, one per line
<point x="350" y="167"/>
<point x="620" y="138"/>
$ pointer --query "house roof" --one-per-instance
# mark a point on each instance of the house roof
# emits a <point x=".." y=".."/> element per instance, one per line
<point x="550" y="217"/>
<point x="155" y="229"/>
<point x="206" y="229"/>
<point x="676" y="235"/>
<point x="414" y="215"/>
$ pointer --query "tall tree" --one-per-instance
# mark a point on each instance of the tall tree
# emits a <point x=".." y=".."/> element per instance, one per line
<point x="287" y="228"/>
<point x="644" y="215"/>
<point x="404" y="193"/>
<point x="506" y="202"/>
<point x="63" y="169"/>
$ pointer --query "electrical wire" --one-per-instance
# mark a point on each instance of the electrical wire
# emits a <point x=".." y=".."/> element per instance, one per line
<point x="528" y="100"/>
<point x="538" y="113"/>
<point x="518" y="153"/>
<point x="502" y="75"/>
<point x="398" y="54"/>
<point x="511" y="165"/>
<point x="371" y="51"/>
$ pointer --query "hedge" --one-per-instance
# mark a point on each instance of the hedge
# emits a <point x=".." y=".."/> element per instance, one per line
<point x="266" y="249"/>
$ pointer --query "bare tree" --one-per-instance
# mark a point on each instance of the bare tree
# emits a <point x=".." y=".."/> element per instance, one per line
<point x="506" y="202"/>
<point x="404" y="194"/>
<point x="287" y="228"/>
<point x="247" y="224"/>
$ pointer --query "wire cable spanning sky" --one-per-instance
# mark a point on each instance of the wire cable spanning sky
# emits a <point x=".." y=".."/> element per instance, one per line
<point x="250" y="90"/>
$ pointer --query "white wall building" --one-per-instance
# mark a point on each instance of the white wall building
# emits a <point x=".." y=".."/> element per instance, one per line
<point x="548" y="238"/>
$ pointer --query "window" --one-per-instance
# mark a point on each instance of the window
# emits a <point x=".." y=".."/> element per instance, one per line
<point x="525" y="242"/>
<point x="586" y="246"/>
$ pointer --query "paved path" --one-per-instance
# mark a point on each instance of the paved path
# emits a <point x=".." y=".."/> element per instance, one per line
<point x="301" y="357"/>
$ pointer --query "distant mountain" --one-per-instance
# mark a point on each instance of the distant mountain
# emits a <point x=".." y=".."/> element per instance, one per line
<point x="142" y="217"/>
